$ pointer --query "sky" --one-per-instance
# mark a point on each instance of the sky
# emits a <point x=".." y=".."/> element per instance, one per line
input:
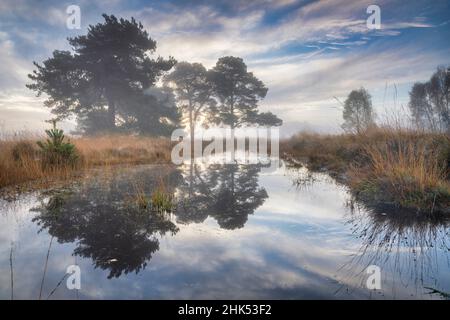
<point x="310" y="54"/>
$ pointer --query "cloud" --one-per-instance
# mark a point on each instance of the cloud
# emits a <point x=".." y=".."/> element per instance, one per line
<point x="304" y="89"/>
<point x="305" y="51"/>
<point x="51" y="13"/>
<point x="13" y="69"/>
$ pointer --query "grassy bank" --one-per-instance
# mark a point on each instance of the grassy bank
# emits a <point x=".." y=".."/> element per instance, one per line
<point x="404" y="168"/>
<point x="21" y="160"/>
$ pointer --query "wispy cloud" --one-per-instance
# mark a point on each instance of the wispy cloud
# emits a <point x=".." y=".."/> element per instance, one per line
<point x="306" y="51"/>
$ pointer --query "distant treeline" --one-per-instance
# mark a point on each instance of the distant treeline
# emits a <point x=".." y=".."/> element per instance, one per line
<point x="429" y="106"/>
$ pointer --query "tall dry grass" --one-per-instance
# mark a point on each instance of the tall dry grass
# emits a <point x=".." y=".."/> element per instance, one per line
<point x="21" y="159"/>
<point x="120" y="149"/>
<point x="18" y="162"/>
<point x="405" y="167"/>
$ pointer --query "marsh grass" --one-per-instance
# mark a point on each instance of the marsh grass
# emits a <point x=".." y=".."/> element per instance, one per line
<point x="405" y="167"/>
<point x="122" y="149"/>
<point x="160" y="200"/>
<point x="140" y="198"/>
<point x="21" y="159"/>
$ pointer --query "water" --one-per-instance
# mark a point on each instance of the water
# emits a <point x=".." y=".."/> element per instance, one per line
<point x="237" y="232"/>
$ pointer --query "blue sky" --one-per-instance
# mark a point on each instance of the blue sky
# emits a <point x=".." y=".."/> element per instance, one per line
<point x="307" y="52"/>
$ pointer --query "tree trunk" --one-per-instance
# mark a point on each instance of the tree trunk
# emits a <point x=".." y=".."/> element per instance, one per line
<point x="192" y="129"/>
<point x="112" y="116"/>
<point x="111" y="112"/>
<point x="191" y="178"/>
<point x="232" y="133"/>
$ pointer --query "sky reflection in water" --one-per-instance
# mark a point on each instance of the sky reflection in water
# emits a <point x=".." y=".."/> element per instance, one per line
<point x="237" y="232"/>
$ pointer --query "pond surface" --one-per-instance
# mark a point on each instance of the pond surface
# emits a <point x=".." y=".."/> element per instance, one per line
<point x="238" y="232"/>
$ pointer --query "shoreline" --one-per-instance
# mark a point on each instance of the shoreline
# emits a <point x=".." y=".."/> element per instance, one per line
<point x="404" y="170"/>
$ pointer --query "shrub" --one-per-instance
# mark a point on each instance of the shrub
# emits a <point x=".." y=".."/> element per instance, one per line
<point x="55" y="151"/>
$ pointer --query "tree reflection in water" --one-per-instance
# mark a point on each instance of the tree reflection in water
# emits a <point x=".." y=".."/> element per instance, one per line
<point x="119" y="237"/>
<point x="229" y="193"/>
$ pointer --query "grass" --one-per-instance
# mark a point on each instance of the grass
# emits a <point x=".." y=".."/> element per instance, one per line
<point x="161" y="199"/>
<point x="406" y="168"/>
<point x="122" y="149"/>
<point x="21" y="160"/>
